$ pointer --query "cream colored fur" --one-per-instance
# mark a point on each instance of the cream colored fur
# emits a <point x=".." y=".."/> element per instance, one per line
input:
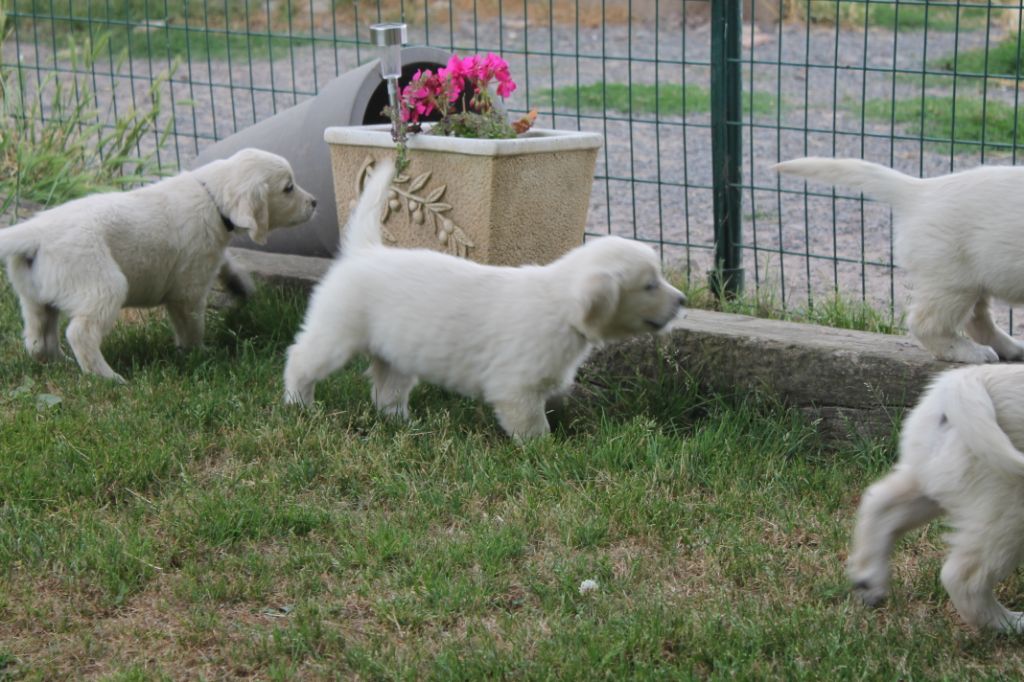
<point x="959" y="454"/>
<point x="960" y="238"/>
<point x="162" y="244"/>
<point x="512" y="336"/>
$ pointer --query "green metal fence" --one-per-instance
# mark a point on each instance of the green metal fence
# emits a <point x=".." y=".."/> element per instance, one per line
<point x="696" y="101"/>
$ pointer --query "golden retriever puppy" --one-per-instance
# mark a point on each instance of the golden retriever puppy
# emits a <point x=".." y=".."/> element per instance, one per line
<point x="512" y="336"/>
<point x="960" y="453"/>
<point x="959" y="238"/>
<point x="163" y="244"/>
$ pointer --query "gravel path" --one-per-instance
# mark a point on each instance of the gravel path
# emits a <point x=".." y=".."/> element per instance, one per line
<point x="653" y="177"/>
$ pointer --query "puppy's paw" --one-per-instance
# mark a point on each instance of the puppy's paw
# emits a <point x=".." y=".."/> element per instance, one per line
<point x="46" y="355"/>
<point x="872" y="594"/>
<point x="965" y="351"/>
<point x="295" y="398"/>
<point x="978" y="355"/>
<point x="399" y="412"/>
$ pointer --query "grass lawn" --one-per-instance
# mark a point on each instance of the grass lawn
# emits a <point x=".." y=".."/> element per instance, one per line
<point x="189" y="525"/>
<point x="966" y="124"/>
<point x="1000" y="60"/>
<point x="904" y="16"/>
<point x="971" y="119"/>
<point x="666" y="99"/>
<point x="177" y="28"/>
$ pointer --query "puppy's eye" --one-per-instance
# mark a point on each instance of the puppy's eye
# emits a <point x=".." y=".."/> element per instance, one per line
<point x="288" y="188"/>
<point x="650" y="286"/>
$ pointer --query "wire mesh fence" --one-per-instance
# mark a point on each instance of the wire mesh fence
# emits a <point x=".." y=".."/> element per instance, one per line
<point x="926" y="87"/>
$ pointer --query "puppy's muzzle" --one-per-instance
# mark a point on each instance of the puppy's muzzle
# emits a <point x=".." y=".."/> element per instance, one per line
<point x="658" y="325"/>
<point x="311" y="210"/>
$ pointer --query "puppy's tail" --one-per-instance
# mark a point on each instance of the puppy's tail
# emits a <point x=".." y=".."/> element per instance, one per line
<point x="363" y="228"/>
<point x="973" y="414"/>
<point x="874" y="180"/>
<point x="19" y="240"/>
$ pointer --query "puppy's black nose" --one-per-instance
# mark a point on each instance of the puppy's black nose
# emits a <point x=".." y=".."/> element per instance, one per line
<point x="314" y="203"/>
<point x="682" y="300"/>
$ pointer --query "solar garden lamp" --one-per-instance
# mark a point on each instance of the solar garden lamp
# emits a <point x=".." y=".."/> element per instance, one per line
<point x="389" y="39"/>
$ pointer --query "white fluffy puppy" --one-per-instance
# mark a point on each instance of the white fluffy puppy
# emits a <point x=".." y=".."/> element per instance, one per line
<point x="512" y="336"/>
<point x="162" y="244"/>
<point x="959" y="453"/>
<point x="960" y="238"/>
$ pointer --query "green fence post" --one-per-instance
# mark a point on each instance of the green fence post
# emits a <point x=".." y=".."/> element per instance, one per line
<point x="726" y="145"/>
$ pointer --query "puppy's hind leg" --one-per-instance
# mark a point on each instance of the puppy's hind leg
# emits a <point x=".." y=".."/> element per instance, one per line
<point x="391" y="388"/>
<point x="936" y="319"/>
<point x="983" y="329"/>
<point x="312" y="358"/>
<point x="40" y="331"/>
<point x="888" y="509"/>
<point x="42" y="340"/>
<point x="979" y="559"/>
<point x="522" y="417"/>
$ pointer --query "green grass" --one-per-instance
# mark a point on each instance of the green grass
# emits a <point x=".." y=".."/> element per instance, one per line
<point x="835" y="311"/>
<point x="935" y="18"/>
<point x="933" y="116"/>
<point x="885" y="15"/>
<point x="198" y="43"/>
<point x="189" y="525"/>
<point x="964" y="124"/>
<point x="666" y="99"/>
<point x="1001" y="60"/>
<point x="175" y="29"/>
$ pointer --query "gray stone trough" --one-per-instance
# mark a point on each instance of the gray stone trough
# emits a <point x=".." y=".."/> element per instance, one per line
<point x="854" y="384"/>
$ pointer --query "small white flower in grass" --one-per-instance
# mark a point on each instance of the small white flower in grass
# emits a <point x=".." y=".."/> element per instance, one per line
<point x="588" y="586"/>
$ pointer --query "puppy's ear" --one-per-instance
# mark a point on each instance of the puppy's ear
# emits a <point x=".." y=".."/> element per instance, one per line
<point x="598" y="297"/>
<point x="249" y="212"/>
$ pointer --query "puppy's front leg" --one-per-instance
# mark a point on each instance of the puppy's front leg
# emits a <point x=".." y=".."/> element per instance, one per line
<point x="522" y="418"/>
<point x="188" y="319"/>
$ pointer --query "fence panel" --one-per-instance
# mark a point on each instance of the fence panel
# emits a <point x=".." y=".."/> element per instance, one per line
<point x="624" y="68"/>
<point x="926" y="87"/>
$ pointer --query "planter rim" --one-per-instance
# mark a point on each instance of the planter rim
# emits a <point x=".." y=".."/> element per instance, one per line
<point x="536" y="140"/>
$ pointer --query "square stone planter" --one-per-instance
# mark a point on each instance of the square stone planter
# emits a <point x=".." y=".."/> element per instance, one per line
<point x="503" y="202"/>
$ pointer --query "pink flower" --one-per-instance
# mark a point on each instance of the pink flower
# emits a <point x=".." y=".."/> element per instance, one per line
<point x="420" y="96"/>
<point x="427" y="91"/>
<point x="452" y="77"/>
<point x="506" y="87"/>
<point x="471" y="67"/>
<point x="455" y="69"/>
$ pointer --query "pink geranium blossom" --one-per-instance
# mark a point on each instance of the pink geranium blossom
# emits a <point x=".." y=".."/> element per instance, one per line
<point x="461" y="92"/>
<point x="427" y="91"/>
